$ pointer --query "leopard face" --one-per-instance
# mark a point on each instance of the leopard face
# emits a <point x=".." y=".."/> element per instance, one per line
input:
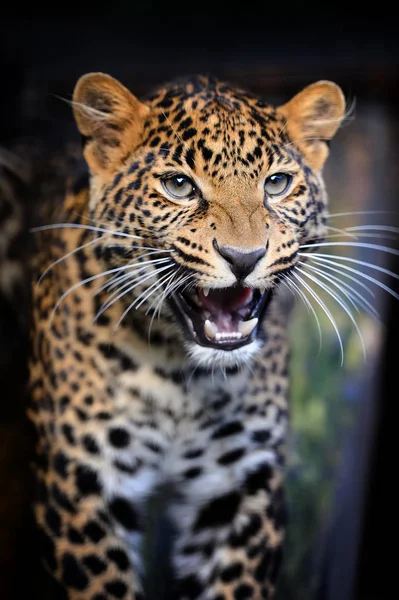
<point x="219" y="187"/>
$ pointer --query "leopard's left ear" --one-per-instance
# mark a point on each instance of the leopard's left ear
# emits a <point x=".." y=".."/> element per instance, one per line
<point x="110" y="118"/>
<point x="312" y="118"/>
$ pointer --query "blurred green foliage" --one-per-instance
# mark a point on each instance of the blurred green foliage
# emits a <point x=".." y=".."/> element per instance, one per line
<point x="323" y="407"/>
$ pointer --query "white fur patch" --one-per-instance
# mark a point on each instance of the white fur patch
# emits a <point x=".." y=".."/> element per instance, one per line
<point x="212" y="357"/>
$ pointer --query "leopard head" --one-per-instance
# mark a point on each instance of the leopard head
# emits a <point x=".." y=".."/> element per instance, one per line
<point x="220" y="185"/>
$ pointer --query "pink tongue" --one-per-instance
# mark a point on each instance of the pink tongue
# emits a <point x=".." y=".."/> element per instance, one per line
<point x="224" y="305"/>
<point x="225" y="300"/>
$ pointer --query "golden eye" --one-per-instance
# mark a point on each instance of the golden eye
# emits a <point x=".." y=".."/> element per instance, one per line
<point x="179" y="187"/>
<point x="277" y="184"/>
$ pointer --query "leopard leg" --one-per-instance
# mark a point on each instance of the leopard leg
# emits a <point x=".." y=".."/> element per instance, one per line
<point x="236" y="546"/>
<point x="82" y="546"/>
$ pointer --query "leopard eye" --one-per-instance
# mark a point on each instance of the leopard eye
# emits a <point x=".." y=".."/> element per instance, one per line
<point x="179" y="187"/>
<point x="277" y="184"/>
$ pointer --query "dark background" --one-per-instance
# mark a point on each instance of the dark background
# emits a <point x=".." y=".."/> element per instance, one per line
<point x="275" y="51"/>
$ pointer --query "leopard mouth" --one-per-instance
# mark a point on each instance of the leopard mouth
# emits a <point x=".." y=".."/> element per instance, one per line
<point x="225" y="319"/>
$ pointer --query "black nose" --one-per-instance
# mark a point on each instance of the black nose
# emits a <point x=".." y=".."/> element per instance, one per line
<point x="241" y="263"/>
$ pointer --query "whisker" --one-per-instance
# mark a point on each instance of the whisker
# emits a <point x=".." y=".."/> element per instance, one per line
<point x="116" y="279"/>
<point x="357" y="281"/>
<point x="145" y="294"/>
<point x="168" y="291"/>
<point x="127" y="287"/>
<point x="285" y="281"/>
<point x="59" y="260"/>
<point x="361" y="212"/>
<point x="101" y="230"/>
<point x="304" y="139"/>
<point x="325" y="309"/>
<point x="355" y="245"/>
<point x="119" y="293"/>
<point x="150" y="293"/>
<point x="340" y="301"/>
<point x="333" y="280"/>
<point x="79" y="284"/>
<point x="339" y="231"/>
<point x="308" y="306"/>
<point x="154" y="286"/>
<point x="389" y="228"/>
<point x="356" y="236"/>
<point x="377" y="231"/>
<point x="137" y="267"/>
<point x="349" y="259"/>
<point x="184" y="144"/>
<point x="87" y="227"/>
<point x="320" y="258"/>
<point x="179" y="283"/>
<point x="351" y="293"/>
<point x="93" y="112"/>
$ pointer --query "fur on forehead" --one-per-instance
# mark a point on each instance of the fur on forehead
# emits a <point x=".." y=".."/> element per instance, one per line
<point x="112" y="119"/>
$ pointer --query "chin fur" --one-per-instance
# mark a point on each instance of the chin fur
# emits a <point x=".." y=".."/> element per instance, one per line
<point x="210" y="358"/>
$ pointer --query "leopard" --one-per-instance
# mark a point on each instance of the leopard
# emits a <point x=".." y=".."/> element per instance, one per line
<point x="158" y="369"/>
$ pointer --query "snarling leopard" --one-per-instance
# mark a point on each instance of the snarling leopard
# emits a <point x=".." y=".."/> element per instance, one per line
<point x="158" y="368"/>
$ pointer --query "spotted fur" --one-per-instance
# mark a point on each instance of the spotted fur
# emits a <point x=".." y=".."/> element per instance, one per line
<point x="159" y="460"/>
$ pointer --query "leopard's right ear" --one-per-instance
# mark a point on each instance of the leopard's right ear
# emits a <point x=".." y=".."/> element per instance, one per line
<point x="110" y="118"/>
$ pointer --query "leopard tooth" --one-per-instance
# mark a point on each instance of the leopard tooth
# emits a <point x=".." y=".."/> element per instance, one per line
<point x="205" y="291"/>
<point x="262" y="289"/>
<point x="210" y="329"/>
<point x="246" y="327"/>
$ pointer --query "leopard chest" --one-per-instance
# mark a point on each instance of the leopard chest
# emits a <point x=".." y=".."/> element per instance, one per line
<point x="173" y="447"/>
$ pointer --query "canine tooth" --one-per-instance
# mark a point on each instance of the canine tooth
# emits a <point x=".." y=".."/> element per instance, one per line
<point x="262" y="289"/>
<point x="246" y="327"/>
<point x="211" y="331"/>
<point x="205" y="291"/>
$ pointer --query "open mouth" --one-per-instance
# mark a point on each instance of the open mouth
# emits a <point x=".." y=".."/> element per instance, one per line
<point x="225" y="318"/>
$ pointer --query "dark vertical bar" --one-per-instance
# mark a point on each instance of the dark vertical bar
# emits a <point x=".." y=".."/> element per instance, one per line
<point x="377" y="565"/>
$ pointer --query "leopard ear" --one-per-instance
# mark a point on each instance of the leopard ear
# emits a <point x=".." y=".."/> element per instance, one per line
<point x="110" y="119"/>
<point x="312" y="118"/>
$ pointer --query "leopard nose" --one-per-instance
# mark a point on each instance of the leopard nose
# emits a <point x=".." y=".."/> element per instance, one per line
<point x="241" y="263"/>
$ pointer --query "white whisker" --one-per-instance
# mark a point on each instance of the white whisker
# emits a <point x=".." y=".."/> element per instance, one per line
<point x="356" y="298"/>
<point x="339" y="231"/>
<point x="340" y="301"/>
<point x="308" y="306"/>
<point x="361" y="212"/>
<point x="87" y="227"/>
<point x="349" y="259"/>
<point x="169" y="288"/>
<point x="389" y="228"/>
<point x="84" y="282"/>
<point x="149" y="291"/>
<point x="127" y="287"/>
<point x="357" y="236"/>
<point x="146" y="293"/>
<point x="137" y="268"/>
<point x="163" y="295"/>
<point x="336" y="270"/>
<point x="326" y="311"/>
<point x="116" y="279"/>
<point x="355" y="245"/>
<point x="184" y="144"/>
<point x="330" y="278"/>
<point x="59" y="260"/>
<point x="326" y="258"/>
